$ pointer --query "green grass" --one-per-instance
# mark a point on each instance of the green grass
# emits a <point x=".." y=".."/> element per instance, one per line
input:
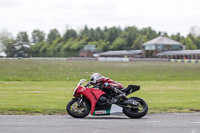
<point x="45" y="87"/>
<point x="43" y="70"/>
<point x="51" y="97"/>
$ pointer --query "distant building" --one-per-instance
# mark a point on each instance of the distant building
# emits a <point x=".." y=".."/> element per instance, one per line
<point x="160" y="44"/>
<point x="88" y="51"/>
<point x="183" y="54"/>
<point x="122" y="53"/>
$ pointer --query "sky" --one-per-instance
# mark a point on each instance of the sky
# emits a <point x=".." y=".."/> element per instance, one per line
<point x="171" y="16"/>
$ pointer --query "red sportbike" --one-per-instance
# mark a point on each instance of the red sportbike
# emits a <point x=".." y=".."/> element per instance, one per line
<point x="99" y="101"/>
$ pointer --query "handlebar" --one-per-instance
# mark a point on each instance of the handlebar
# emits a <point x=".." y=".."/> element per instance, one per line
<point x="88" y="84"/>
<point x="99" y="86"/>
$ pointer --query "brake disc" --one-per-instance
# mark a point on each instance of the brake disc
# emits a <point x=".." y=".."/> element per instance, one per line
<point x="76" y="108"/>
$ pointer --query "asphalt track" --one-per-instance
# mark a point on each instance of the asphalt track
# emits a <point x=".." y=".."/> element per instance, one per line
<point x="151" y="123"/>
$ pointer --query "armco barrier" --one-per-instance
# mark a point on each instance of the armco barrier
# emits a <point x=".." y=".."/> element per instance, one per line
<point x="51" y="58"/>
<point x="122" y="59"/>
<point x="113" y="59"/>
<point x="130" y="59"/>
<point x="185" y="61"/>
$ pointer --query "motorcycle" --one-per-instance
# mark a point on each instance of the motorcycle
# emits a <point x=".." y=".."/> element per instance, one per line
<point x="99" y="101"/>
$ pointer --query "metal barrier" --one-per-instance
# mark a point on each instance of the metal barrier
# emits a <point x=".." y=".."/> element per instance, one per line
<point x="128" y="59"/>
<point x="50" y="58"/>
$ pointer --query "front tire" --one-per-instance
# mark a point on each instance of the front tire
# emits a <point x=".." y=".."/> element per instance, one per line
<point x="78" y="112"/>
<point x="137" y="112"/>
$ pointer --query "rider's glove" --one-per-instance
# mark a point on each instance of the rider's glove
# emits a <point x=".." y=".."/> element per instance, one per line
<point x="89" y="83"/>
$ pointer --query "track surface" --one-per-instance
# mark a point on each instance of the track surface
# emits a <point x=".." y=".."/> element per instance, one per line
<point x="151" y="123"/>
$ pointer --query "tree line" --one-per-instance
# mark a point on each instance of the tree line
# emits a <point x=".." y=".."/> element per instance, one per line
<point x="54" y="44"/>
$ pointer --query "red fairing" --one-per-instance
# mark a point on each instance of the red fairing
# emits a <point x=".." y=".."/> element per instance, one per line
<point x="91" y="94"/>
<point x="110" y="81"/>
<point x="75" y="94"/>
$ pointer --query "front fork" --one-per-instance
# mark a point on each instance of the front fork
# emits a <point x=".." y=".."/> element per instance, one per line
<point x="81" y="102"/>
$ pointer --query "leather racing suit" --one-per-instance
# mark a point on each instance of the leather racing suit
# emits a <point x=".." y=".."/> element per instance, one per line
<point x="110" y="84"/>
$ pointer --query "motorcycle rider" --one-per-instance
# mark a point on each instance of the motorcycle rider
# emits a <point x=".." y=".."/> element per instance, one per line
<point x="108" y="83"/>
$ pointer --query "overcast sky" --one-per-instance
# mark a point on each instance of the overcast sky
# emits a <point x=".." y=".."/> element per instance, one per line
<point x="171" y="16"/>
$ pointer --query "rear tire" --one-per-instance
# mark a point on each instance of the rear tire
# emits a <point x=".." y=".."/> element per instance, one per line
<point x="78" y="112"/>
<point x="137" y="113"/>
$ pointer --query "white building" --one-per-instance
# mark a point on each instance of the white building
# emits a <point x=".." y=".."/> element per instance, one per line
<point x="160" y="44"/>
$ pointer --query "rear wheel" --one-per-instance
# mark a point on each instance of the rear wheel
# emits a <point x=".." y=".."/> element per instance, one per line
<point x="76" y="110"/>
<point x="137" y="112"/>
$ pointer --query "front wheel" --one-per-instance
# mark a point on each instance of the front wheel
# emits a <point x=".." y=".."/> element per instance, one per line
<point x="137" y="112"/>
<point x="76" y="110"/>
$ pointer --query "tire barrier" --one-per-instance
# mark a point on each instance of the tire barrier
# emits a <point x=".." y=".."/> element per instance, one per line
<point x="185" y="61"/>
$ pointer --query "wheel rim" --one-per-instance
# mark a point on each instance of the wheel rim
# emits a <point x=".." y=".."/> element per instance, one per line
<point x="78" y="110"/>
<point x="140" y="107"/>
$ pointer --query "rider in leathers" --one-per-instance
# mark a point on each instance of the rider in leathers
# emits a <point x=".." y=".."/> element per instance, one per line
<point x="108" y="83"/>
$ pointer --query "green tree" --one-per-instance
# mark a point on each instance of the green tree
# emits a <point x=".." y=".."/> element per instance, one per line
<point x="189" y="43"/>
<point x="112" y="34"/>
<point x="38" y="36"/>
<point x="51" y="50"/>
<point x="149" y="32"/>
<point x="132" y="34"/>
<point x="23" y="44"/>
<point x="67" y="45"/>
<point x="70" y="34"/>
<point x="53" y="34"/>
<point x="85" y="31"/>
<point x="177" y="37"/>
<point x="38" y="49"/>
<point x="198" y="42"/>
<point x="118" y="44"/>
<point x="44" y="47"/>
<point x="91" y="34"/>
<point x="139" y="41"/>
<point x="98" y="34"/>
<point x="10" y="49"/>
<point x="103" y="45"/>
<point x="6" y="40"/>
<point x="77" y="45"/>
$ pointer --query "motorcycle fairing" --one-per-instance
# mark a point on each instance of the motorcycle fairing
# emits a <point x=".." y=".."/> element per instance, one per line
<point x="130" y="89"/>
<point x="92" y="95"/>
<point x="102" y="110"/>
<point x="108" y="109"/>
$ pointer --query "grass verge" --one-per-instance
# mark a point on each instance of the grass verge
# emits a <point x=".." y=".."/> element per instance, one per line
<point x="51" y="97"/>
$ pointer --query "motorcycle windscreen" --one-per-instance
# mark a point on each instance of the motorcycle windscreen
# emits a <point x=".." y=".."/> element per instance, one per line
<point x="108" y="110"/>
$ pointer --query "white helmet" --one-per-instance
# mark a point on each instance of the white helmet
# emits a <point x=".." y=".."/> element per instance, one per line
<point x="94" y="77"/>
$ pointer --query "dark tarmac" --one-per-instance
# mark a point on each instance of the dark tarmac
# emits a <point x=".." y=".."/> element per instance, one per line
<point x="151" y="123"/>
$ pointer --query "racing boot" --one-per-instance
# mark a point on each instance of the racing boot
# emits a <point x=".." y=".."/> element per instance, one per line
<point x="119" y="93"/>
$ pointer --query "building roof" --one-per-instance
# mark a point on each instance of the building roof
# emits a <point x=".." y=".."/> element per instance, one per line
<point x="162" y="40"/>
<point x="122" y="52"/>
<point x="89" y="47"/>
<point x="182" y="52"/>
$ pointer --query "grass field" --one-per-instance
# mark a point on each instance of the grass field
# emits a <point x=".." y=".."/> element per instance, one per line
<point x="45" y="87"/>
<point x="44" y="70"/>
